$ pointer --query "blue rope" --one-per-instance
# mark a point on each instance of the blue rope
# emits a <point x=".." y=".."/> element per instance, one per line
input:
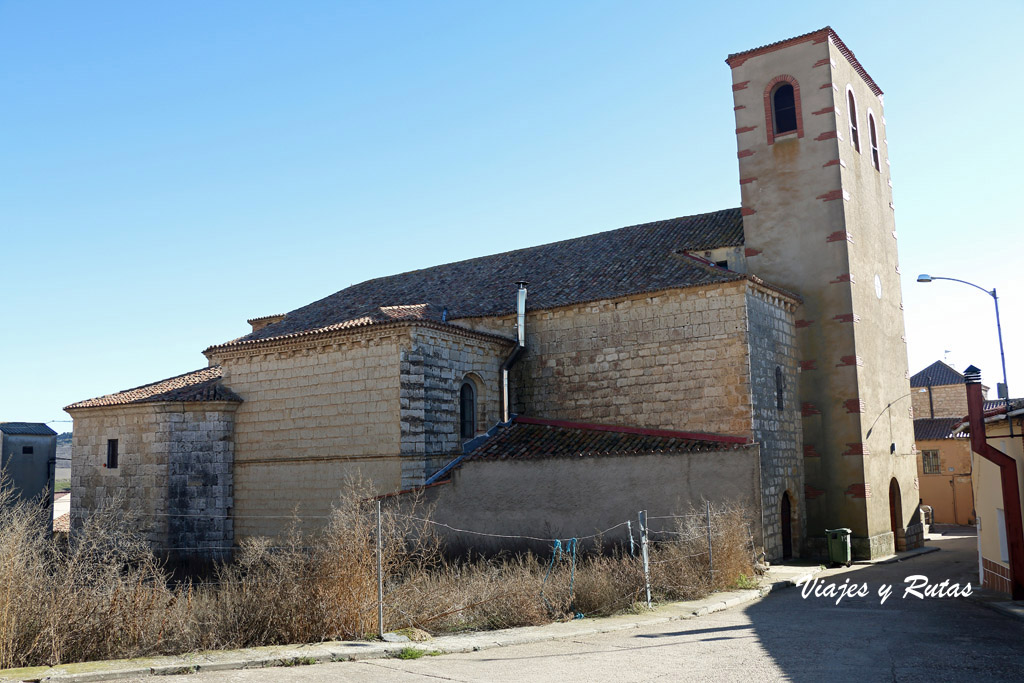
<point x="556" y="552"/>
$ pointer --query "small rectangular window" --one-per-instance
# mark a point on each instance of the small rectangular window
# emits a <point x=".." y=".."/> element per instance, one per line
<point x="931" y="462"/>
<point x="27" y="450"/>
<point x="111" y="453"/>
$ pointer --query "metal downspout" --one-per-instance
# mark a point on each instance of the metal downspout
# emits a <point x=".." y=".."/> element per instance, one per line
<point x="517" y="351"/>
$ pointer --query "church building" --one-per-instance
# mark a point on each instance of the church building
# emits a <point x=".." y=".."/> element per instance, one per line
<point x="753" y="354"/>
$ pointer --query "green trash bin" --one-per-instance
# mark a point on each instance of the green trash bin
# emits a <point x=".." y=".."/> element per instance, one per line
<point x="839" y="546"/>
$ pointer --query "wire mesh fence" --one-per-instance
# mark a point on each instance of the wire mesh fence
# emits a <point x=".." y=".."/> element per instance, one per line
<point x="366" y="571"/>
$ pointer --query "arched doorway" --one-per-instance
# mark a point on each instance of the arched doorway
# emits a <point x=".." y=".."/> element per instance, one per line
<point x="787" y="526"/>
<point x="895" y="508"/>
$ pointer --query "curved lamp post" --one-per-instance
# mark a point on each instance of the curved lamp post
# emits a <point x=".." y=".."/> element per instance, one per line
<point x="999" y="330"/>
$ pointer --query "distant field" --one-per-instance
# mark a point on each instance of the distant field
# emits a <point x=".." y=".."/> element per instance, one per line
<point x="61" y="485"/>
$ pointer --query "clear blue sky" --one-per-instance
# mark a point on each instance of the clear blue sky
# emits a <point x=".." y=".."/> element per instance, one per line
<point x="169" y="170"/>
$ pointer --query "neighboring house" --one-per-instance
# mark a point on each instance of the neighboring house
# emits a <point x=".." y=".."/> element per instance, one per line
<point x="709" y="338"/>
<point x="944" y="466"/>
<point x="998" y="462"/>
<point x="28" y="453"/>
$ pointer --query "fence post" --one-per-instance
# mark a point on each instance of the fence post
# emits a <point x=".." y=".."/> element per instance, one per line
<point x="642" y="519"/>
<point x="380" y="577"/>
<point x="711" y="559"/>
<point x="632" y="546"/>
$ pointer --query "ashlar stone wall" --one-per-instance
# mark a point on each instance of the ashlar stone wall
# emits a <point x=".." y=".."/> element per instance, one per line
<point x="174" y="471"/>
<point x="318" y="416"/>
<point x="776" y="425"/>
<point x="434" y="365"/>
<point x="670" y="360"/>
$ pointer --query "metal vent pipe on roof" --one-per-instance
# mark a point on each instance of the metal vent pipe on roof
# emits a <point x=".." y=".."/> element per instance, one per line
<point x="516" y="352"/>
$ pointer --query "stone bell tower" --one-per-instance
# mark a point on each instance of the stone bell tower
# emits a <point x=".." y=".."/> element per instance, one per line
<point x="818" y="218"/>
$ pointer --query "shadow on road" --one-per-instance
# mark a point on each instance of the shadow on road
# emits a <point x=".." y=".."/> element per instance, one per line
<point x="906" y="638"/>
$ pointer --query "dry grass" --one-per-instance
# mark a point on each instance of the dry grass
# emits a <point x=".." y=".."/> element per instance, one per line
<point x="103" y="594"/>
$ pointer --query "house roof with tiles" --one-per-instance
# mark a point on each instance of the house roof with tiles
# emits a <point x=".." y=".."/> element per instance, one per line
<point x="26" y="429"/>
<point x="198" y="385"/>
<point x="633" y="260"/>
<point x="932" y="429"/>
<point x="535" y="438"/>
<point x="820" y="35"/>
<point x="938" y="374"/>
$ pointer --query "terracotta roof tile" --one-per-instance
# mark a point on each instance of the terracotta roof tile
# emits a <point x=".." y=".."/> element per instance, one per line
<point x="535" y="438"/>
<point x="740" y="57"/>
<point x="198" y="385"/>
<point x="631" y="260"/>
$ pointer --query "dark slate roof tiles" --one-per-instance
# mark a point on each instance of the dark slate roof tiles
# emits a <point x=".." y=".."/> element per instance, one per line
<point x="631" y="260"/>
<point x="535" y="438"/>
<point x="930" y="429"/>
<point x="26" y="428"/>
<point x="938" y="374"/>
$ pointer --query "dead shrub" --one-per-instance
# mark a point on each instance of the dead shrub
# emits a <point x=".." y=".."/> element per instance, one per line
<point x="104" y="594"/>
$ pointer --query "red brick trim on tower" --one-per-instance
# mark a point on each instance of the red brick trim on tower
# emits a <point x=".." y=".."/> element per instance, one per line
<point x="768" y="123"/>
<point x="810" y="451"/>
<point x="750" y="251"/>
<point x="804" y="323"/>
<point x="859" y="490"/>
<point x="810" y="493"/>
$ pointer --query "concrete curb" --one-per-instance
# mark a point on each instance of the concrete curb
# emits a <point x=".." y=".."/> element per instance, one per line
<point x="318" y="653"/>
<point x="779" y="577"/>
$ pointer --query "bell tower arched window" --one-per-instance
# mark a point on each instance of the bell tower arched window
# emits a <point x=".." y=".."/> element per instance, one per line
<point x="873" y="141"/>
<point x="852" y="106"/>
<point x="783" y="108"/>
<point x="467" y="411"/>
<point x="782" y="114"/>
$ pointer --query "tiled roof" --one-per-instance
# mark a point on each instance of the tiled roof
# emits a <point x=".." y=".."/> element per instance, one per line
<point x="937" y="374"/>
<point x="631" y="260"/>
<point x="26" y="428"/>
<point x="198" y="385"/>
<point x="534" y="438"/>
<point x="992" y="409"/>
<point x="738" y="58"/>
<point x="930" y="429"/>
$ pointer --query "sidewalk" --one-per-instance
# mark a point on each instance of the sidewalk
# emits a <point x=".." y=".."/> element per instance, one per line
<point x="778" y="577"/>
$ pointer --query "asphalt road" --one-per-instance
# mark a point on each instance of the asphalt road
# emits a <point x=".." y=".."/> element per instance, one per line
<point x="782" y="637"/>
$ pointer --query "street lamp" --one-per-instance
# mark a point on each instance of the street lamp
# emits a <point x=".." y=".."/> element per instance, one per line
<point x="999" y="330"/>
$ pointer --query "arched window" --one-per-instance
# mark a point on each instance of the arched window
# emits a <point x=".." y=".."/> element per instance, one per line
<point x="467" y="411"/>
<point x="780" y="388"/>
<point x="852" y="105"/>
<point x="873" y="139"/>
<point x="783" y="109"/>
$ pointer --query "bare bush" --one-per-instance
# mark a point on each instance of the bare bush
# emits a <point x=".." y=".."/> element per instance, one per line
<point x="104" y="594"/>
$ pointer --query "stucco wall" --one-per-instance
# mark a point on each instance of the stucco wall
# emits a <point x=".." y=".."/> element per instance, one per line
<point x="950" y="492"/>
<point x="565" y="498"/>
<point x="988" y="496"/>
<point x="174" y="470"/>
<point x="817" y="219"/>
<point x="30" y="474"/>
